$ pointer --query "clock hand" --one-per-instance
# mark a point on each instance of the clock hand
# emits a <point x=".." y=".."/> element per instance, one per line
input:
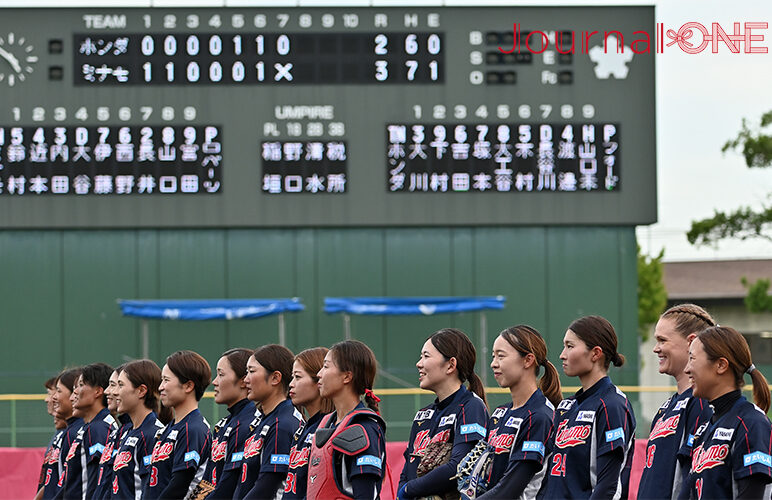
<point x="11" y="60"/>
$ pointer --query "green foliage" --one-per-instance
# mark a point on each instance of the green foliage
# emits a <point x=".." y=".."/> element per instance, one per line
<point x="758" y="299"/>
<point x="652" y="296"/>
<point x="743" y="223"/>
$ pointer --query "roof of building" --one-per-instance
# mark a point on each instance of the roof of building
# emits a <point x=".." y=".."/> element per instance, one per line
<point x="713" y="279"/>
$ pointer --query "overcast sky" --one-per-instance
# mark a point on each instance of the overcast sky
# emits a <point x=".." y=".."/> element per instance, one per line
<point x="701" y="101"/>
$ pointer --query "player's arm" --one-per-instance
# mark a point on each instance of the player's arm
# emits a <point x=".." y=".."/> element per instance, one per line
<point x="609" y="470"/>
<point x="752" y="487"/>
<point x="179" y="484"/>
<point x="366" y="466"/>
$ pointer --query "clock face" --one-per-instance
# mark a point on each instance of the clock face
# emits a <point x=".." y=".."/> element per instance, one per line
<point x="16" y="59"/>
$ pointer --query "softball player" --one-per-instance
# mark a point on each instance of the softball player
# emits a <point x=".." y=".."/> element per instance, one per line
<point x="182" y="448"/>
<point x="137" y="399"/>
<point x="81" y="467"/>
<point x="457" y="419"/>
<point x="668" y="452"/>
<point x="731" y="457"/>
<point x="594" y="429"/>
<point x="231" y="432"/>
<point x="63" y="407"/>
<point x="520" y="431"/>
<point x="348" y="452"/>
<point x="105" y="475"/>
<point x="304" y="393"/>
<point x="49" y="474"/>
<point x="266" y="458"/>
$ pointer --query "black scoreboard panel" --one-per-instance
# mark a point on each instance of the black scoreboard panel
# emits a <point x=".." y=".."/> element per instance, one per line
<point x="326" y="116"/>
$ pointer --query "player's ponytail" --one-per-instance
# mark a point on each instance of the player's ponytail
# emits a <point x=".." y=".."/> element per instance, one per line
<point x="728" y="343"/>
<point x="452" y="343"/>
<point x="355" y="357"/>
<point x="527" y="340"/>
<point x="760" y="389"/>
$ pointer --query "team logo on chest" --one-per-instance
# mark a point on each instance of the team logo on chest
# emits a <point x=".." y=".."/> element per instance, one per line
<point x="252" y="446"/>
<point x="298" y="458"/>
<point x="53" y="456"/>
<point x="108" y="453"/>
<point x="501" y="442"/>
<point x="73" y="449"/>
<point x="219" y="450"/>
<point x="571" y="436"/>
<point x="162" y="451"/>
<point x="122" y="460"/>
<point x="707" y="458"/>
<point x="665" y="427"/>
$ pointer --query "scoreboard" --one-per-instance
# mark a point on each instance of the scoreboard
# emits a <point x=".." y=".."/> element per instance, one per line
<point x="326" y="116"/>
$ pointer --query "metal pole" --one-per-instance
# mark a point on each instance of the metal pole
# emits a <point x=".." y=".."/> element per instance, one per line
<point x="13" y="423"/>
<point x="484" y="350"/>
<point x="282" y="330"/>
<point x="145" y="340"/>
<point x="347" y="326"/>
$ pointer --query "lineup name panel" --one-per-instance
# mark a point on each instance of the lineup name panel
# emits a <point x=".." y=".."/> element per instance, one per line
<point x="325" y="116"/>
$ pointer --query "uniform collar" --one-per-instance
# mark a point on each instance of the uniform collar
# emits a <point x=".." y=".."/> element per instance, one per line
<point x="236" y="408"/>
<point x="603" y="383"/>
<point x="441" y="405"/>
<point x="722" y="404"/>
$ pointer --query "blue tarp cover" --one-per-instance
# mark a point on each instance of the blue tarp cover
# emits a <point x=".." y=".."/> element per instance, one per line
<point x="410" y="305"/>
<point x="197" y="310"/>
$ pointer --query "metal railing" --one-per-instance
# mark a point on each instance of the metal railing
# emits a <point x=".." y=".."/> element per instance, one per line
<point x="24" y="421"/>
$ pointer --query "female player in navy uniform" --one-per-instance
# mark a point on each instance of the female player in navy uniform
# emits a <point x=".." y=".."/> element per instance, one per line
<point x="105" y="475"/>
<point x="182" y="448"/>
<point x="59" y="426"/>
<point x="266" y="452"/>
<point x="520" y="431"/>
<point x="63" y="408"/>
<point x="137" y="399"/>
<point x="668" y="452"/>
<point x="457" y="418"/>
<point x="52" y="462"/>
<point x="348" y="453"/>
<point x="731" y="456"/>
<point x="81" y="469"/>
<point x="594" y="429"/>
<point x="231" y="432"/>
<point x="304" y="393"/>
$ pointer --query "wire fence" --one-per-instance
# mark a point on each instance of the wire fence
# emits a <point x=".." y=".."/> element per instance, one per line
<point x="25" y="423"/>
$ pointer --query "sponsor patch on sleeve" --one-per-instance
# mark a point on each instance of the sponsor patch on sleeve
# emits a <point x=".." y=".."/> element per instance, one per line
<point x="615" y="434"/>
<point x="690" y="440"/>
<point x="280" y="459"/>
<point x="97" y="448"/>
<point x="474" y="429"/>
<point x="147" y="459"/>
<point x="192" y="455"/>
<point x="369" y="460"/>
<point x="536" y="446"/>
<point x="757" y="457"/>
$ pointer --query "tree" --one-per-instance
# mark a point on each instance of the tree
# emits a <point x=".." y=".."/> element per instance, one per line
<point x="744" y="223"/>
<point x="652" y="296"/>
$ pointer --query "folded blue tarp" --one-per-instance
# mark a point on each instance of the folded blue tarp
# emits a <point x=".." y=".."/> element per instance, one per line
<point x="410" y="305"/>
<point x="197" y="310"/>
